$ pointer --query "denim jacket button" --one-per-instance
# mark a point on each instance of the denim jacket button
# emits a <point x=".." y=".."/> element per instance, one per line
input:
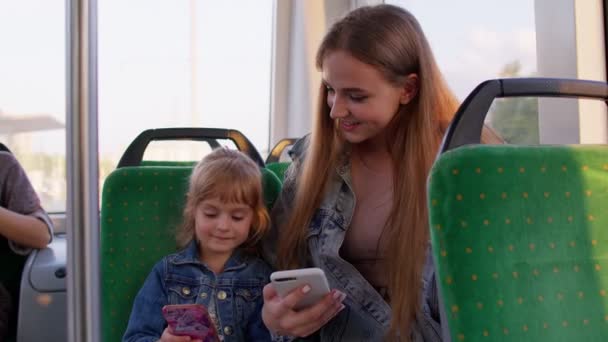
<point x="221" y="295"/>
<point x="186" y="290"/>
<point x="203" y="295"/>
<point x="228" y="330"/>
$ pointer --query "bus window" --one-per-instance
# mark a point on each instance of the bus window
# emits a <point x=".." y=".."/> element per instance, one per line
<point x="476" y="40"/>
<point x="32" y="93"/>
<point x="164" y="63"/>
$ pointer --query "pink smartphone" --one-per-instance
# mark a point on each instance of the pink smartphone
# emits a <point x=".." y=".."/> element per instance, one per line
<point x="190" y="320"/>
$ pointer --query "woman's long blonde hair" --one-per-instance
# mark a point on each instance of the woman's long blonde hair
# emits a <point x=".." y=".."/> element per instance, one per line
<point x="232" y="177"/>
<point x="390" y="39"/>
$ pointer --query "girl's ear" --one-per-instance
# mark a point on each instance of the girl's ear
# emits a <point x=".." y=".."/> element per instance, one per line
<point x="410" y="89"/>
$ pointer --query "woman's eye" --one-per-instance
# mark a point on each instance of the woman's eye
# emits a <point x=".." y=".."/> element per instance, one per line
<point x="357" y="98"/>
<point x="330" y="89"/>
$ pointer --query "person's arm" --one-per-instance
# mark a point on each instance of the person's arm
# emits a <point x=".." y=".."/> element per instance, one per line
<point x="24" y="230"/>
<point x="146" y="323"/>
<point x="22" y="220"/>
<point x="283" y="206"/>
<point x="283" y="322"/>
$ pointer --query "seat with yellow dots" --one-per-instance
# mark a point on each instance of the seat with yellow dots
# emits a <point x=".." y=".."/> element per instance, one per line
<point x="520" y="233"/>
<point x="140" y="209"/>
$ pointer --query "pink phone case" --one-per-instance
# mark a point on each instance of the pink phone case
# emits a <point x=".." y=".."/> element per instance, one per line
<point x="190" y="320"/>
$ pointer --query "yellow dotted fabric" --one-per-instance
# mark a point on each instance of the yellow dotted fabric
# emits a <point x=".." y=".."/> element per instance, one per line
<point x="520" y="237"/>
<point x="140" y="210"/>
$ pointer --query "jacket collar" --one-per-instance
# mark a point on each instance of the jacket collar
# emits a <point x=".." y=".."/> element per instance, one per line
<point x="343" y="164"/>
<point x="189" y="255"/>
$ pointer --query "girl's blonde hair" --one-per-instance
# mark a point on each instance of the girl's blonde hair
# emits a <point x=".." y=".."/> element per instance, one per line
<point x="232" y="177"/>
<point x="390" y="39"/>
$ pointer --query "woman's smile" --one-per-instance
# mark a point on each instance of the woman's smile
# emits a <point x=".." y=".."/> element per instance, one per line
<point x="349" y="125"/>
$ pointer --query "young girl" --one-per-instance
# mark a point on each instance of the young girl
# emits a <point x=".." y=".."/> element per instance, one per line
<point x="383" y="108"/>
<point x="224" y="219"/>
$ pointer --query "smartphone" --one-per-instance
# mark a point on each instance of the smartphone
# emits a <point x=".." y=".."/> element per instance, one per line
<point x="190" y="320"/>
<point x="286" y="281"/>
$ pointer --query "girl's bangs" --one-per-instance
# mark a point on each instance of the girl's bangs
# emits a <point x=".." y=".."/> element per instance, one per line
<point x="233" y="190"/>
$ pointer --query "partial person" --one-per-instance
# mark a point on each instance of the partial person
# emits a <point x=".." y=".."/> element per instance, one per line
<point x="354" y="203"/>
<point x="24" y="226"/>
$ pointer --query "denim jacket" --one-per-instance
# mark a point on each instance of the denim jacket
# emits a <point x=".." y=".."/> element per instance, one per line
<point x="233" y="298"/>
<point x="366" y="316"/>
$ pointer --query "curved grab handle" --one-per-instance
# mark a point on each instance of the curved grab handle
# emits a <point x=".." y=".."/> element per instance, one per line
<point x="277" y="150"/>
<point x="468" y="122"/>
<point x="135" y="152"/>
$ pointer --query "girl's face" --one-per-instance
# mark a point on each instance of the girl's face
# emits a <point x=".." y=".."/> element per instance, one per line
<point x="221" y="227"/>
<point x="362" y="100"/>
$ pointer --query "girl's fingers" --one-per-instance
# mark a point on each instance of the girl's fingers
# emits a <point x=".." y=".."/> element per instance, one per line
<point x="169" y="337"/>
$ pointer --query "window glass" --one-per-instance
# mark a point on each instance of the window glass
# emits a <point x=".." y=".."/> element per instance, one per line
<point x="165" y="63"/>
<point x="476" y="40"/>
<point x="162" y="63"/>
<point x="32" y="93"/>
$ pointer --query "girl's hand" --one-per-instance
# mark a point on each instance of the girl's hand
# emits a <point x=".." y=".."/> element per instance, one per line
<point x="169" y="337"/>
<point x="280" y="317"/>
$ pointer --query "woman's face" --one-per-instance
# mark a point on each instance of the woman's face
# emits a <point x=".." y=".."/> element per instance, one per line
<point x="362" y="101"/>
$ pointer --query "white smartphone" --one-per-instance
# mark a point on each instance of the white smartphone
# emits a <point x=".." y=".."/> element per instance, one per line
<point x="286" y="281"/>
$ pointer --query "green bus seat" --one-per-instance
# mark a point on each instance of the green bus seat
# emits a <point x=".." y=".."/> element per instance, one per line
<point x="279" y="169"/>
<point x="140" y="209"/>
<point x="520" y="241"/>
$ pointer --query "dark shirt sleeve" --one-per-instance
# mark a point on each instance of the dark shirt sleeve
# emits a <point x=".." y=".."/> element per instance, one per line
<point x="5" y="309"/>
<point x="18" y="195"/>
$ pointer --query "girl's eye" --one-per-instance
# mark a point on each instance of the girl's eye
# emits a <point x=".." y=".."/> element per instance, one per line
<point x="210" y="214"/>
<point x="238" y="218"/>
<point x="329" y="89"/>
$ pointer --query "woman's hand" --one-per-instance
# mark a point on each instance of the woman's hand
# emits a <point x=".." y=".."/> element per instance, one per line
<point x="280" y="317"/>
<point x="169" y="337"/>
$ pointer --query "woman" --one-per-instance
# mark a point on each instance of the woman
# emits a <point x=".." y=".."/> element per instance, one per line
<point x="356" y="204"/>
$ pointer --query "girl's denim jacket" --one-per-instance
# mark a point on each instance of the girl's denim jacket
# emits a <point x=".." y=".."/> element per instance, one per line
<point x="233" y="297"/>
<point x="366" y="316"/>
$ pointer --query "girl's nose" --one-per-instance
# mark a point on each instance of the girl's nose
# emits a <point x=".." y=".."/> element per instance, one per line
<point x="223" y="223"/>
